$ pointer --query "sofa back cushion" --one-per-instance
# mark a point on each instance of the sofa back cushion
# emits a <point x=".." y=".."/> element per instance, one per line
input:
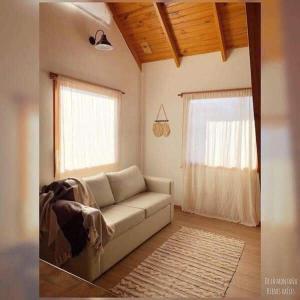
<point x="126" y="183"/>
<point x="100" y="187"/>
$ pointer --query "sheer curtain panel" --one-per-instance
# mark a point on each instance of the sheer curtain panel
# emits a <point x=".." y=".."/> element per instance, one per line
<point x="220" y="156"/>
<point x="86" y="128"/>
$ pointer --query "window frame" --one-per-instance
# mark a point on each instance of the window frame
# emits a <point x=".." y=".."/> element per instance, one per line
<point x="84" y="86"/>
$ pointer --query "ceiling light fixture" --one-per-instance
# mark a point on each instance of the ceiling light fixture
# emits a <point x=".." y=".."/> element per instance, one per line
<point x="102" y="43"/>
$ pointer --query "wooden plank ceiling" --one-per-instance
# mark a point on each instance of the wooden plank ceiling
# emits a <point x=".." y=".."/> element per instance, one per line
<point x="156" y="31"/>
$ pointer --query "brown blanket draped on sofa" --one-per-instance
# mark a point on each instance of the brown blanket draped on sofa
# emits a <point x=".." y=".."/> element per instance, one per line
<point x="72" y="218"/>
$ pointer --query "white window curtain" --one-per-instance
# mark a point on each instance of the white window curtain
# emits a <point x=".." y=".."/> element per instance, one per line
<point x="86" y="128"/>
<point x="220" y="156"/>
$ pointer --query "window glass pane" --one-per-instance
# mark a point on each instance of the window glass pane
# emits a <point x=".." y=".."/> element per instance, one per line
<point x="88" y="124"/>
<point x="221" y="133"/>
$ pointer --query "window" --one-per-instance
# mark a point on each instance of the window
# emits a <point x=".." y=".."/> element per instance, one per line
<point x="222" y="132"/>
<point x="86" y="128"/>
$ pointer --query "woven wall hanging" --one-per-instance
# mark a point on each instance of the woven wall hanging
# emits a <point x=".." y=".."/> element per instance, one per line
<point x="160" y="126"/>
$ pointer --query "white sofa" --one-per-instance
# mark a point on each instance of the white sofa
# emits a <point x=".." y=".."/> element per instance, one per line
<point x="137" y="206"/>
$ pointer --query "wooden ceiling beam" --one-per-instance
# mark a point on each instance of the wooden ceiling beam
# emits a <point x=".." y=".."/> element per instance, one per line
<point x="219" y="29"/>
<point x="253" y="11"/>
<point x="122" y="30"/>
<point x="163" y="19"/>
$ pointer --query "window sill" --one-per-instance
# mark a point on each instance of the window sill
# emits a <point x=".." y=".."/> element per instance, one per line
<point x="88" y="171"/>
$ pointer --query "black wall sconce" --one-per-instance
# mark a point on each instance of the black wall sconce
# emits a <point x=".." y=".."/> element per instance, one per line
<point x="102" y="43"/>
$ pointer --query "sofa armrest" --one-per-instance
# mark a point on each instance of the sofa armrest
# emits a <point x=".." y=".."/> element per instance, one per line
<point x="159" y="185"/>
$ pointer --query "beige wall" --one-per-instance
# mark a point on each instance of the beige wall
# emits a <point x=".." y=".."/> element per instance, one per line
<point x="162" y="81"/>
<point x="64" y="48"/>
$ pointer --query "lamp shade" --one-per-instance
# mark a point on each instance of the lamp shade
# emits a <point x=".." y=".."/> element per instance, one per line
<point x="103" y="44"/>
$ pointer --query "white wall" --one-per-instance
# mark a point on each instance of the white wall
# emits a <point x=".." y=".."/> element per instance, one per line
<point x="162" y="81"/>
<point x="64" y="49"/>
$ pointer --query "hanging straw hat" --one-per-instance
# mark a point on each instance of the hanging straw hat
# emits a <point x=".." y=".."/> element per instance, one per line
<point x="161" y="127"/>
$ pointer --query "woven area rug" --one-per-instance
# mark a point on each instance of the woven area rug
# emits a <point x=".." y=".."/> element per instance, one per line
<point x="191" y="263"/>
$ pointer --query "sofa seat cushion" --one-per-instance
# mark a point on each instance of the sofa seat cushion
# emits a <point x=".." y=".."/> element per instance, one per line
<point x="148" y="201"/>
<point x="122" y="217"/>
<point x="100" y="187"/>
